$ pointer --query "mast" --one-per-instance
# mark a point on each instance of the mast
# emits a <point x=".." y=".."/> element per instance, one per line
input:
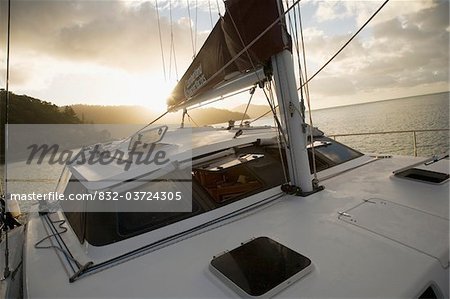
<point x="292" y="121"/>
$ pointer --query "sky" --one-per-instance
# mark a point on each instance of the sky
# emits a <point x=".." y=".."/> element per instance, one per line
<point x="109" y="52"/>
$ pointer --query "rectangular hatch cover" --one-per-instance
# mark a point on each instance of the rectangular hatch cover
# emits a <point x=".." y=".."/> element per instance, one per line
<point x="260" y="268"/>
<point x="423" y="175"/>
<point x="424" y="232"/>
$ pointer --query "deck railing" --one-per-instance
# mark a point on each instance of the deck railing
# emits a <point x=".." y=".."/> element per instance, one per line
<point x="413" y="132"/>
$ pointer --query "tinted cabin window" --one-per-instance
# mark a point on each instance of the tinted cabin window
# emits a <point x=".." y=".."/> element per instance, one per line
<point x="428" y="294"/>
<point x="76" y="216"/>
<point x="215" y="183"/>
<point x="133" y="223"/>
<point x="332" y="153"/>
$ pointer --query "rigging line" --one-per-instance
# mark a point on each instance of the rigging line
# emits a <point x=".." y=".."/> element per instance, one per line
<point x="294" y="37"/>
<point x="253" y="66"/>
<point x="309" y="80"/>
<point x="252" y="92"/>
<point x="171" y="38"/>
<point x="259" y="79"/>
<point x="221" y="98"/>
<point x="143" y="128"/>
<point x="283" y="166"/>
<point x="218" y="8"/>
<point x="289" y="17"/>
<point x="345" y="45"/>
<point x="261" y="116"/>
<point x="7" y="271"/>
<point x="247" y="50"/>
<point x="232" y="60"/>
<point x="256" y="73"/>
<point x="210" y="14"/>
<point x="298" y="49"/>
<point x="191" y="119"/>
<point x="172" y="44"/>
<point x="54" y="233"/>
<point x="308" y="98"/>
<point x="53" y="229"/>
<point x="160" y="40"/>
<point x="278" y="123"/>
<point x="293" y="27"/>
<point x="8" y="44"/>
<point x="190" y="28"/>
<point x="175" y="61"/>
<point x="294" y="30"/>
<point x="196" y="28"/>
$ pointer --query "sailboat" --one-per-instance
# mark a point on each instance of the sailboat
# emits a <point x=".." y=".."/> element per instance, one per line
<point x="274" y="212"/>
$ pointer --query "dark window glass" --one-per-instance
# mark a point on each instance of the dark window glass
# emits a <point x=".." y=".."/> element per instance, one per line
<point x="428" y="294"/>
<point x="134" y="223"/>
<point x="75" y="218"/>
<point x="336" y="153"/>
<point x="215" y="183"/>
<point x="260" y="265"/>
<point x="423" y="175"/>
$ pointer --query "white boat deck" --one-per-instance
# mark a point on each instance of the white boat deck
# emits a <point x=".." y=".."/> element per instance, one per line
<point x="349" y="260"/>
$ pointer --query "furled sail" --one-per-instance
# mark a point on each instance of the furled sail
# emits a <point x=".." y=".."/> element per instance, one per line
<point x="252" y="24"/>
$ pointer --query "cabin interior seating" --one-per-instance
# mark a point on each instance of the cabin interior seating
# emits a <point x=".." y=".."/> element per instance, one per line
<point x="225" y="185"/>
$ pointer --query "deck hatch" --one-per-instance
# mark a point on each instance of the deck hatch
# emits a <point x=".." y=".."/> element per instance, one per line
<point x="423" y="175"/>
<point x="413" y="228"/>
<point x="260" y="268"/>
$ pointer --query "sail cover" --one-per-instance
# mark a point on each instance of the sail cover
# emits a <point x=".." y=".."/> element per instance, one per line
<point x="218" y="60"/>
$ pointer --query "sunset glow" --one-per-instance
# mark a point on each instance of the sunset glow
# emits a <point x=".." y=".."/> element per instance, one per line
<point x="109" y="53"/>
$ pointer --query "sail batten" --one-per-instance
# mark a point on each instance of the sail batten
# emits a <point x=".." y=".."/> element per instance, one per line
<point x="241" y="43"/>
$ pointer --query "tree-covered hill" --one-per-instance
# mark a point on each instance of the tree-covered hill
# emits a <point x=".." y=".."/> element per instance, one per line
<point x="98" y="114"/>
<point x="23" y="109"/>
<point x="209" y="116"/>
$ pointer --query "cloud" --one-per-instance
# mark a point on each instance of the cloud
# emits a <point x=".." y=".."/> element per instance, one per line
<point x="403" y="52"/>
<point x="405" y="46"/>
<point x="334" y="85"/>
<point x="330" y="10"/>
<point x="205" y="5"/>
<point x="360" y="11"/>
<point x="108" y="33"/>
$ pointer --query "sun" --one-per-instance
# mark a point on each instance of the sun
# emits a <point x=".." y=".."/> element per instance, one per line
<point x="152" y="92"/>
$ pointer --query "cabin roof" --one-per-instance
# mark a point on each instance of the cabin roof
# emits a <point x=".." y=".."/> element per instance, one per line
<point x="179" y="145"/>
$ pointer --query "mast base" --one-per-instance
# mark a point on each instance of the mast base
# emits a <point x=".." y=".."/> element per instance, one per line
<point x="297" y="191"/>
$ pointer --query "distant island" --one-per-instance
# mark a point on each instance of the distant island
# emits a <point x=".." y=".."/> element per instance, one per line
<point x="96" y="114"/>
<point x="253" y="111"/>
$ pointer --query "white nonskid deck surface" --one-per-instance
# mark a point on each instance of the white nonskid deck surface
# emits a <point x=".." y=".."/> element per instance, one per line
<point x="349" y="261"/>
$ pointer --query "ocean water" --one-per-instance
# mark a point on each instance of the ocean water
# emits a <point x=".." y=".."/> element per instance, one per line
<point x="414" y="113"/>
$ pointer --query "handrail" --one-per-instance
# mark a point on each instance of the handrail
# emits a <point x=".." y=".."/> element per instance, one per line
<point x="414" y="132"/>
